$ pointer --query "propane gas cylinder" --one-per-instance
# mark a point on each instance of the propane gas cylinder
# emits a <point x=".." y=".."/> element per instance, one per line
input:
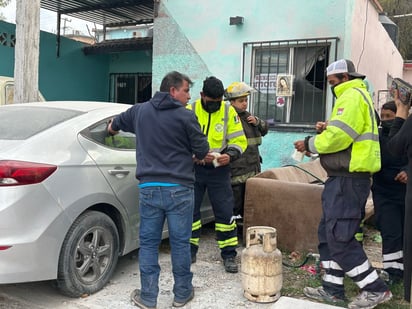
<point x="261" y="265"/>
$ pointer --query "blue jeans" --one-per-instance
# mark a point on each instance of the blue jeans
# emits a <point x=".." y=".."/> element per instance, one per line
<point x="176" y="205"/>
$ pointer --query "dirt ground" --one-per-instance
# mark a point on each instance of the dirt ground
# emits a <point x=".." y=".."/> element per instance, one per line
<point x="214" y="288"/>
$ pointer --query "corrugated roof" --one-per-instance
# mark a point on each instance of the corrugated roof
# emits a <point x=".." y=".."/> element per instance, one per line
<point x="109" y="13"/>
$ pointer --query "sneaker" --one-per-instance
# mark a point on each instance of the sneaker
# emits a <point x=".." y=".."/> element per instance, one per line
<point x="182" y="303"/>
<point x="368" y="300"/>
<point x="137" y="301"/>
<point x="230" y="265"/>
<point x="319" y="293"/>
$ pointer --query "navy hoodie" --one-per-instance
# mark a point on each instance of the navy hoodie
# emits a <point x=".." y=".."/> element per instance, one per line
<point x="167" y="137"/>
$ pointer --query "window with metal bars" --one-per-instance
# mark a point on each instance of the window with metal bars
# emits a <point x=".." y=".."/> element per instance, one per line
<point x="130" y="88"/>
<point x="290" y="80"/>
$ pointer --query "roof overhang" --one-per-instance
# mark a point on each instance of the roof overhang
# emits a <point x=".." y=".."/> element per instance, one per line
<point x="108" y="13"/>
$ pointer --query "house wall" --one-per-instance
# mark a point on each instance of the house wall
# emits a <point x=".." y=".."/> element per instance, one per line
<point x="372" y="51"/>
<point x="72" y="76"/>
<point x="131" y="62"/>
<point x="198" y="44"/>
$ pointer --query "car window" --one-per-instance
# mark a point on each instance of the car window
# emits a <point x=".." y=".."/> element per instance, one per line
<point x="122" y="140"/>
<point x="21" y="122"/>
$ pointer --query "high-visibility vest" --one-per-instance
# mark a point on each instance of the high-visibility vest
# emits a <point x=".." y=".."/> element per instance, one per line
<point x="352" y="124"/>
<point x="223" y="128"/>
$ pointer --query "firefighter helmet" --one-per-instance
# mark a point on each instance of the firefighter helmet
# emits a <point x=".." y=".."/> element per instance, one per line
<point x="238" y="89"/>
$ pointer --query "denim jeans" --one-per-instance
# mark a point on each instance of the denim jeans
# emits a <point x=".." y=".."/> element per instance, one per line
<point x="176" y="205"/>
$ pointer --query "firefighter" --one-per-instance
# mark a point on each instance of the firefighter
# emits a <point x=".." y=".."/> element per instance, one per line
<point x="223" y="128"/>
<point x="348" y="146"/>
<point x="248" y="165"/>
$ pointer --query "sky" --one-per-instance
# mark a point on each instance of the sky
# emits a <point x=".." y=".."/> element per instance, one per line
<point x="48" y="20"/>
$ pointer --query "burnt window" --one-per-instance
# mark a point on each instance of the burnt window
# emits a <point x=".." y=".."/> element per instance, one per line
<point x="290" y="80"/>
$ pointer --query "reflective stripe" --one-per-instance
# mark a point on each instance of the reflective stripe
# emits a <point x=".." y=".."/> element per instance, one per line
<point x="330" y="265"/>
<point x="359" y="269"/>
<point x="368" y="279"/>
<point x="254" y="141"/>
<point x="332" y="279"/>
<point x="344" y="127"/>
<point x="194" y="241"/>
<point x="221" y="227"/>
<point x="231" y="242"/>
<point x="236" y="147"/>
<point x="196" y="225"/>
<point x="225" y="122"/>
<point x="368" y="137"/>
<point x="235" y="134"/>
<point x="371" y="111"/>
<point x="395" y="265"/>
<point x="393" y="256"/>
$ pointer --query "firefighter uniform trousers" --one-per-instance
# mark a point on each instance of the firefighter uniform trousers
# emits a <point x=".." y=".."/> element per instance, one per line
<point x="217" y="183"/>
<point x="343" y="204"/>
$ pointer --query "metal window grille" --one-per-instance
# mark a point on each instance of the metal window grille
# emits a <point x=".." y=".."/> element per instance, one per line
<point x="130" y="88"/>
<point x="300" y="99"/>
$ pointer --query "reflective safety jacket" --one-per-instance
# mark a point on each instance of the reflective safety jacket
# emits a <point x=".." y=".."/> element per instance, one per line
<point x="223" y="128"/>
<point x="350" y="143"/>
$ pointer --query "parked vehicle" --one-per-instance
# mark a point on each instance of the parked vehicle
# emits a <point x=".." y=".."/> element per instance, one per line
<point x="7" y="91"/>
<point x="68" y="194"/>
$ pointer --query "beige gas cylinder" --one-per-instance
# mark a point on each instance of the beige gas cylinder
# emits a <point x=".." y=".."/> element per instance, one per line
<point x="261" y="265"/>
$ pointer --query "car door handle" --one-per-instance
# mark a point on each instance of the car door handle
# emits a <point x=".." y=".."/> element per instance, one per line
<point x="119" y="172"/>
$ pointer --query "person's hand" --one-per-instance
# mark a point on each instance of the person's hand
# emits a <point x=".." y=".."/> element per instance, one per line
<point x="109" y="129"/>
<point x="300" y="146"/>
<point x="402" y="177"/>
<point x="252" y="119"/>
<point x="209" y="158"/>
<point x="223" y="159"/>
<point x="402" y="110"/>
<point x="321" y="126"/>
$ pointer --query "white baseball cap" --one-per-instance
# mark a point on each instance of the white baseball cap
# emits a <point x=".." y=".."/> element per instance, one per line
<point x="343" y="66"/>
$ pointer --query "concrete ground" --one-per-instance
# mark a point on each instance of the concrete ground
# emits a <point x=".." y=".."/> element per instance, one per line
<point x="214" y="288"/>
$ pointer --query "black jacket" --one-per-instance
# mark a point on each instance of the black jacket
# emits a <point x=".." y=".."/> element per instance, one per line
<point x="167" y="135"/>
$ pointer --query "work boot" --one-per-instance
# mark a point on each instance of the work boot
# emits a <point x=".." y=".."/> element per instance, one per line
<point x="369" y="300"/>
<point x="137" y="301"/>
<point x="182" y="303"/>
<point x="319" y="293"/>
<point x="230" y="265"/>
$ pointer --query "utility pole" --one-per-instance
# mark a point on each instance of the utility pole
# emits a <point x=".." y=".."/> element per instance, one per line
<point x="26" y="52"/>
<point x="65" y="19"/>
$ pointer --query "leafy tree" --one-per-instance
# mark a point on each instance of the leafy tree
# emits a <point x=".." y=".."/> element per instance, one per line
<point x="400" y="12"/>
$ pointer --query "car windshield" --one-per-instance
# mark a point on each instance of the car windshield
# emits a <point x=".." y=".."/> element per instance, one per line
<point x="21" y="122"/>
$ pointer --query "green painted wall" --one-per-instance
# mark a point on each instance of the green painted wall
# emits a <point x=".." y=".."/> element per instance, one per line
<point x="72" y="75"/>
<point x="195" y="37"/>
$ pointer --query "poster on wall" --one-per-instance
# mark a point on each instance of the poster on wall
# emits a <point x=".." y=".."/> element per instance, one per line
<point x="284" y="85"/>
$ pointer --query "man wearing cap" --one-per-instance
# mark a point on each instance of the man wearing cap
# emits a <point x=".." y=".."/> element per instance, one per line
<point x="221" y="124"/>
<point x="248" y="165"/>
<point x="348" y="146"/>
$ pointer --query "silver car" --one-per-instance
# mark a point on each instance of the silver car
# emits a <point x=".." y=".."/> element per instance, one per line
<point x="68" y="194"/>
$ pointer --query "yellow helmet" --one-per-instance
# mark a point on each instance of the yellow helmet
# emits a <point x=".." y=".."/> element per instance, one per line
<point x="237" y="90"/>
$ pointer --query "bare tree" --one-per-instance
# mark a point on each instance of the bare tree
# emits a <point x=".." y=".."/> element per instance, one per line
<point x="400" y="12"/>
<point x="3" y="3"/>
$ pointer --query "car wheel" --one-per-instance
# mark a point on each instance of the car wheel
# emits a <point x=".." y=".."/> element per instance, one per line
<point x="89" y="254"/>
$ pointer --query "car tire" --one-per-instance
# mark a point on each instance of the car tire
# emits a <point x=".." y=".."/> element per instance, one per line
<point x="89" y="255"/>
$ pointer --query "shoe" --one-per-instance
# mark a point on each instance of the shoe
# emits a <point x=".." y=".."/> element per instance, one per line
<point x="230" y="265"/>
<point x="368" y="300"/>
<point x="319" y="293"/>
<point x="193" y="258"/>
<point x="137" y="301"/>
<point x="181" y="304"/>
